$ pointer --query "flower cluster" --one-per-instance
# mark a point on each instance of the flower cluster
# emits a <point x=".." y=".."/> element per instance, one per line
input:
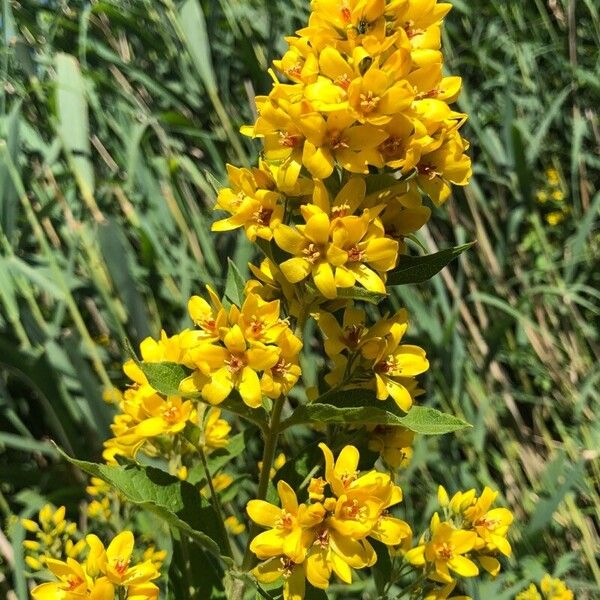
<point x="550" y="589"/>
<point x="367" y="97"/>
<point x="373" y="357"/>
<point x="471" y="532"/>
<point x="55" y="537"/>
<point x="552" y="194"/>
<point x="104" y="572"/>
<point x="329" y="534"/>
<point x="366" y="91"/>
<point x="249" y="349"/>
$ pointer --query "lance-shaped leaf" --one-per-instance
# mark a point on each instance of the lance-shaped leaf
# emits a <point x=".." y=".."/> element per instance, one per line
<point x="234" y="287"/>
<point x="177" y="502"/>
<point x="361" y="406"/>
<point x="418" y="269"/>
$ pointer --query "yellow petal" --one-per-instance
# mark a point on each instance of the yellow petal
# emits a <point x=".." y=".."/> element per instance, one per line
<point x="249" y="388"/>
<point x="263" y="513"/>
<point x="121" y="547"/>
<point x="218" y="388"/>
<point x="463" y="566"/>
<point x="296" y="269"/>
<point x="318" y="569"/>
<point x="324" y="280"/>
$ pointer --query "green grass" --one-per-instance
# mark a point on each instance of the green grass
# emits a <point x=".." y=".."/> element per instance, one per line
<point x="117" y="119"/>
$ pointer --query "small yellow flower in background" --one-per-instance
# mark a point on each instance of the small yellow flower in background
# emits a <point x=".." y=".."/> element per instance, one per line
<point x="555" y="217"/>
<point x="549" y="589"/>
<point x="279" y="461"/>
<point x="234" y="526"/>
<point x="55" y="537"/>
<point x="553" y="177"/>
<point x="221" y="482"/>
<point x="555" y="589"/>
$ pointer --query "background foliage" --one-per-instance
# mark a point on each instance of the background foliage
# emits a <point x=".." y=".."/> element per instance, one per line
<point x="116" y="120"/>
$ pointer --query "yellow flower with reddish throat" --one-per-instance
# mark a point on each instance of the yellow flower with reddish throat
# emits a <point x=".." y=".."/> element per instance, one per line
<point x="290" y="527"/>
<point x="104" y="571"/>
<point x="252" y="203"/>
<point x="444" y="552"/>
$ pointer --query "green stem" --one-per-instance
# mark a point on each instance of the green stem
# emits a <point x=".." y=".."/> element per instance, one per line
<point x="271" y="437"/>
<point x="215" y="500"/>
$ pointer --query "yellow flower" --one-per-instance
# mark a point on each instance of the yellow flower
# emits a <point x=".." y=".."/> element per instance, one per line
<point x="291" y="527"/>
<point x="252" y="203"/>
<point x="395" y="368"/>
<point x="377" y="96"/>
<point x="300" y="63"/>
<point x="555" y="589"/>
<point x="282" y="567"/>
<point x="555" y="217"/>
<point x="234" y="366"/>
<point x="337" y="139"/>
<point x="216" y="430"/>
<point x="72" y="582"/>
<point x="209" y="317"/>
<point x="444" y="166"/>
<point x="118" y="561"/>
<point x="279" y="379"/>
<point x="490" y="524"/>
<point x="234" y="526"/>
<point x="444" y="552"/>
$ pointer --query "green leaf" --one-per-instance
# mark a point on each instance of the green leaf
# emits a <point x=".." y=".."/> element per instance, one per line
<point x="73" y="121"/>
<point x="360" y="406"/>
<point x="164" y="377"/>
<point x="418" y="269"/>
<point x="178" y="502"/>
<point x="234" y="287"/>
<point x="353" y="293"/>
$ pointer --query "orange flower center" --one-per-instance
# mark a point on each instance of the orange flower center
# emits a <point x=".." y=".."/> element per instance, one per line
<point x="340" y="211"/>
<point x="354" y="511"/>
<point x="73" y="582"/>
<point x="352" y="335"/>
<point x="286" y="520"/>
<point x="263" y="216"/>
<point x="286" y="567"/>
<point x="343" y="81"/>
<point x="369" y="102"/>
<point x="235" y="364"/>
<point x="393" y="146"/>
<point x="322" y="538"/>
<point x="389" y="365"/>
<point x="429" y="94"/>
<point x="288" y="140"/>
<point x="445" y="551"/>
<point x="171" y="414"/>
<point x="281" y="368"/>
<point x="312" y="253"/>
<point x="121" y="565"/>
<point x="355" y="254"/>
